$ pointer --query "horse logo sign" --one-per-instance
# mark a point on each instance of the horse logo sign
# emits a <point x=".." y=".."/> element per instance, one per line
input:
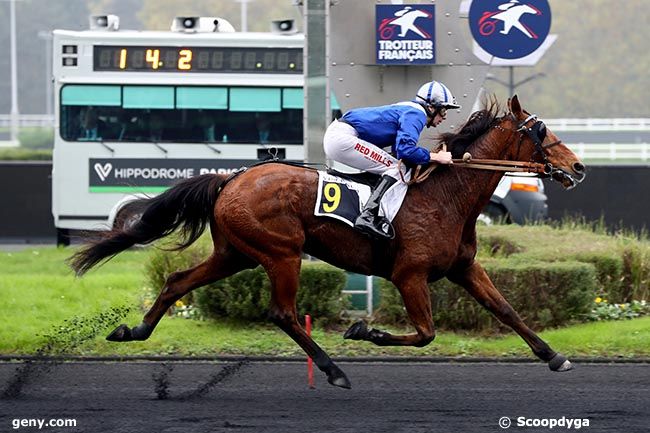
<point x="405" y="34"/>
<point x="510" y="29"/>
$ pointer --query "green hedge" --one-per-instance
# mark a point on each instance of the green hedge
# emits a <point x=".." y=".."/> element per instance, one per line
<point x="36" y="138"/>
<point x="22" y="154"/>
<point x="635" y="283"/>
<point x="544" y="295"/>
<point x="609" y="266"/>
<point x="246" y="295"/>
<point x="621" y="259"/>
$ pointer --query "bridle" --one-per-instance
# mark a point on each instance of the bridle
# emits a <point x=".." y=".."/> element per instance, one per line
<point x="537" y="133"/>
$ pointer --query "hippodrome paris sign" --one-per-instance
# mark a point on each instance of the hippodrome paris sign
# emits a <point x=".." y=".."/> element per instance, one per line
<point x="405" y="34"/>
<point x="104" y="174"/>
<point x="510" y="29"/>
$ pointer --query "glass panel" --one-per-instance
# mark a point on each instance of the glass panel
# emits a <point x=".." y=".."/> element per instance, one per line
<point x="215" y="98"/>
<point x="183" y="125"/>
<point x="334" y="104"/>
<point x="293" y="98"/>
<point x="264" y="127"/>
<point x="148" y="97"/>
<point x="91" y="95"/>
<point x="255" y="99"/>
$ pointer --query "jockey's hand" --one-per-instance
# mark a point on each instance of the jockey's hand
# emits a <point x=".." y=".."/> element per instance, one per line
<point x="441" y="157"/>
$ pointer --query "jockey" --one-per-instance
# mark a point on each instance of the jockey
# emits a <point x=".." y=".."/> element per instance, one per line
<point x="358" y="137"/>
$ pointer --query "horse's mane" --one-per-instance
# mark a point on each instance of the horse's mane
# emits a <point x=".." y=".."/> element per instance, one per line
<point x="477" y="125"/>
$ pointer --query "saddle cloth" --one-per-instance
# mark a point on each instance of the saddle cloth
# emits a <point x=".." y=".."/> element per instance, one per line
<point x="343" y="199"/>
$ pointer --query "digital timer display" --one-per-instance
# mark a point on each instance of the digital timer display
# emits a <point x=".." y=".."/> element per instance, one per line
<point x="197" y="59"/>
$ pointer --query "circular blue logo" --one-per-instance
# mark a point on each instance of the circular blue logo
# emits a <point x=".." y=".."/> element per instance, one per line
<point x="510" y="29"/>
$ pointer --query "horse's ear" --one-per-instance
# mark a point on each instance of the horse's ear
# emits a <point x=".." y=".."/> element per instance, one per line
<point x="514" y="105"/>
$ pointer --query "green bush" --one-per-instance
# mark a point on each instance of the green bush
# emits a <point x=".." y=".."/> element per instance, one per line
<point x="36" y="138"/>
<point x="609" y="272"/>
<point x="243" y="296"/>
<point x="636" y="274"/>
<point x="544" y="295"/>
<point x="163" y="262"/>
<point x="320" y="292"/>
<point x="246" y="295"/>
<point x="621" y="259"/>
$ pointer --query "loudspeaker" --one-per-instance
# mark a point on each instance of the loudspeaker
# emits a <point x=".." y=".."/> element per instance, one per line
<point x="104" y="22"/>
<point x="287" y="27"/>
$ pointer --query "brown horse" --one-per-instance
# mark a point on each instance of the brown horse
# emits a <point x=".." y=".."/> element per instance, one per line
<point x="264" y="216"/>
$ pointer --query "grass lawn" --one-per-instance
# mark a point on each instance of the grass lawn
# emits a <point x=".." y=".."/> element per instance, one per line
<point x="42" y="299"/>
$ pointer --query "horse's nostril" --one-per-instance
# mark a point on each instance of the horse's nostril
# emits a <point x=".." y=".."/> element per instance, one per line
<point x="579" y="167"/>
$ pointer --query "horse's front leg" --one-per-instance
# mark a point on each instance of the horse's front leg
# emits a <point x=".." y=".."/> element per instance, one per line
<point x="415" y="294"/>
<point x="476" y="281"/>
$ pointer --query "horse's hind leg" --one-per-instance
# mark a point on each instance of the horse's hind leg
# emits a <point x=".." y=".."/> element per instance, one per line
<point x="284" y="276"/>
<point x="476" y="281"/>
<point x="220" y="264"/>
<point x="415" y="295"/>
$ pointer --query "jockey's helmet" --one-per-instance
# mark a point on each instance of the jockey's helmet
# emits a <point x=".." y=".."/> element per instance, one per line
<point x="435" y="96"/>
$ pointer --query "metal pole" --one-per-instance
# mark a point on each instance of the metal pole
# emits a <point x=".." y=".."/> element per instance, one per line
<point x="316" y="111"/>
<point x="369" y="295"/>
<point x="49" y="95"/>
<point x="14" y="75"/>
<point x="511" y="86"/>
<point x="244" y="14"/>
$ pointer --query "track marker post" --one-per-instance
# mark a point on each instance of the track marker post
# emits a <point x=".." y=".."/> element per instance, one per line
<point x="310" y="366"/>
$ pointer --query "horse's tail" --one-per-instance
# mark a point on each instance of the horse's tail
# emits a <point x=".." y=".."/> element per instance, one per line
<point x="189" y="205"/>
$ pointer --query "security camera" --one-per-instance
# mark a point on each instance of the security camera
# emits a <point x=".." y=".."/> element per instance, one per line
<point x="104" y="22"/>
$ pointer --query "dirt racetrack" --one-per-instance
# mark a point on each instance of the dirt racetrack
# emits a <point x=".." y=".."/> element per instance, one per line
<point x="245" y="396"/>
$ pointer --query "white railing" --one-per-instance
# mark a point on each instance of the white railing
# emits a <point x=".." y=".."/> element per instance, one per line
<point x="367" y="292"/>
<point x="620" y="124"/>
<point x="612" y="152"/>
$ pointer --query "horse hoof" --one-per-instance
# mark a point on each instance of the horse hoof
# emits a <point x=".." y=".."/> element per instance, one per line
<point x="339" y="379"/>
<point x="560" y="363"/>
<point x="121" y="333"/>
<point x="358" y="331"/>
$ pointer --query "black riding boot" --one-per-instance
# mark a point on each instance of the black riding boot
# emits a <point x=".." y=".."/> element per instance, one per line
<point x="368" y="221"/>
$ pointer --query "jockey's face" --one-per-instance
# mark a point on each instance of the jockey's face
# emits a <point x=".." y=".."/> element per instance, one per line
<point x="438" y="118"/>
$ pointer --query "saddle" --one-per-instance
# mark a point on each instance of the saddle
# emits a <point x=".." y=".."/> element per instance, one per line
<point x="365" y="178"/>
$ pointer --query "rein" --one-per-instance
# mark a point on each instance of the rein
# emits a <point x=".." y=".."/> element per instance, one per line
<point x="496" y="164"/>
<point x="482" y="164"/>
<point x="500" y="165"/>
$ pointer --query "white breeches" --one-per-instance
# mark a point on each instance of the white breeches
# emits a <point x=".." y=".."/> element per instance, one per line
<point x="342" y="144"/>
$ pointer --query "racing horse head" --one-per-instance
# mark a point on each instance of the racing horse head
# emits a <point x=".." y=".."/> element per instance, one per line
<point x="540" y="144"/>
